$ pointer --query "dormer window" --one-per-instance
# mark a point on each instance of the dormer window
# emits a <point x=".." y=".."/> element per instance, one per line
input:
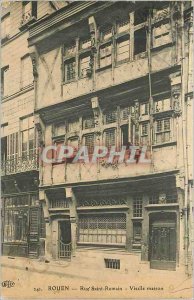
<point x="29" y="11"/>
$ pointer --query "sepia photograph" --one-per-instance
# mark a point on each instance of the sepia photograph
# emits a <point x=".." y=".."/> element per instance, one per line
<point x="97" y="126"/>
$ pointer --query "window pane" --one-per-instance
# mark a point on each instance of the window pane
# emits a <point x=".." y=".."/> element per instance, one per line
<point x="139" y="41"/>
<point x="110" y="138"/>
<point x="88" y="122"/>
<point x="84" y="66"/>
<point x="110" y="117"/>
<point x="89" y="142"/>
<point x="70" y="70"/>
<point x="123" y="50"/>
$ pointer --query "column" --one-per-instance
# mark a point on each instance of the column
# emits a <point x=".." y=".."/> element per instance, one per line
<point x="48" y="238"/>
<point x="73" y="218"/>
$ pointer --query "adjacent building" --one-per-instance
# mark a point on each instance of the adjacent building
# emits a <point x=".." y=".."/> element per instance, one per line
<point x="22" y="221"/>
<point x="112" y="74"/>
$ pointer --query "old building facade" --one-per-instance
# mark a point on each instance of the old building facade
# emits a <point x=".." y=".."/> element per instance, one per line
<point x="114" y="74"/>
<point x="21" y="211"/>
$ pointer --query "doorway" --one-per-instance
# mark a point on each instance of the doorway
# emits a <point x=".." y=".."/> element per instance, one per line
<point x="64" y="239"/>
<point x="163" y="243"/>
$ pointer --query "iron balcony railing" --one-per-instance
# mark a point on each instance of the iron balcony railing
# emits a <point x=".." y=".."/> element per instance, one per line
<point x="20" y="164"/>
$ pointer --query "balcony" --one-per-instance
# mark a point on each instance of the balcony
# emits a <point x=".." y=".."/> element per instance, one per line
<point x="19" y="165"/>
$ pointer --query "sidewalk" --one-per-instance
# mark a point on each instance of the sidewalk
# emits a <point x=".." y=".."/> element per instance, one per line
<point x="173" y="282"/>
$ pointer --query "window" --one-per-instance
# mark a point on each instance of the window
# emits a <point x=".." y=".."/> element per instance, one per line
<point x="162" y="35"/>
<point x="28" y="137"/>
<point x="110" y="137"/>
<point x="137" y="232"/>
<point x="12" y="150"/>
<point x="139" y="41"/>
<point x="85" y="44"/>
<point x="5" y="27"/>
<point x="163" y="197"/>
<point x="88" y="122"/>
<point x="125" y="135"/>
<point x="26" y="71"/>
<point x="162" y="130"/>
<point x="16" y="218"/>
<point x="105" y="55"/>
<point x="89" y="142"/>
<point x="69" y="70"/>
<point x="5" y="81"/>
<point x="59" y="129"/>
<point x="112" y="263"/>
<point x="4" y="148"/>
<point x="29" y="11"/>
<point x="144" y="133"/>
<point x="140" y="16"/>
<point x="162" y="105"/>
<point x="73" y="125"/>
<point x="137" y="207"/>
<point x="110" y="117"/>
<point x="74" y="143"/>
<point x="70" y="50"/>
<point x="106" y="32"/>
<point x="144" y="109"/>
<point x="102" y="229"/>
<point x="123" y="25"/>
<point x="84" y="66"/>
<point x="125" y="113"/>
<point x="123" y="49"/>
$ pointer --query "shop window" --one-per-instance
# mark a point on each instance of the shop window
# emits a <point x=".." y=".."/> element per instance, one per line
<point x="5" y="81"/>
<point x="102" y="229"/>
<point x="105" y="55"/>
<point x="88" y="122"/>
<point x="139" y="41"/>
<point x="123" y="49"/>
<point x="144" y="133"/>
<point x="144" y="109"/>
<point x="69" y="67"/>
<point x="110" y="117"/>
<point x="110" y="138"/>
<point x="26" y="71"/>
<point x="163" y="105"/>
<point x="137" y="207"/>
<point x="162" y="35"/>
<point x="89" y="142"/>
<point x="163" y="130"/>
<point x="15" y="225"/>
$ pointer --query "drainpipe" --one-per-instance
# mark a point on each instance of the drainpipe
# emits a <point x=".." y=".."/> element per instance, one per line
<point x="184" y="135"/>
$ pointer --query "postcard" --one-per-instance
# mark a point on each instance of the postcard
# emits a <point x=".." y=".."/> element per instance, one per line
<point x="96" y="149"/>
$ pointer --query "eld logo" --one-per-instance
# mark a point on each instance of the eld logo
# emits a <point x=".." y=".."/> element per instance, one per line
<point x="8" y="284"/>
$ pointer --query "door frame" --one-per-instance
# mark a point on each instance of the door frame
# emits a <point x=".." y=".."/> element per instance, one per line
<point x="173" y="217"/>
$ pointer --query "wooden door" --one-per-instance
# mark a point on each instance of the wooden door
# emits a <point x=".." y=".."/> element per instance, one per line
<point x="163" y="246"/>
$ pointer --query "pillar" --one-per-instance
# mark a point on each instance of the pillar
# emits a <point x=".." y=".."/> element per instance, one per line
<point x="73" y="218"/>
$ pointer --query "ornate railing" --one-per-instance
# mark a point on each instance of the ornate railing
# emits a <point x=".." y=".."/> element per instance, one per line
<point x="19" y="164"/>
<point x="64" y="250"/>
